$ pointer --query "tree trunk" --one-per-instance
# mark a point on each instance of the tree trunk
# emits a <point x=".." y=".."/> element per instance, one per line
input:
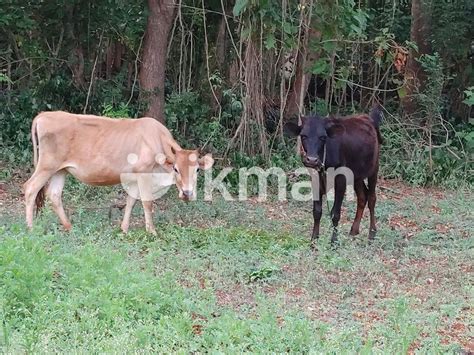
<point x="250" y="135"/>
<point x="419" y="34"/>
<point x="152" y="71"/>
<point x="76" y="62"/>
<point x="76" y="53"/>
<point x="109" y="59"/>
<point x="304" y="60"/>
<point x="221" y="44"/>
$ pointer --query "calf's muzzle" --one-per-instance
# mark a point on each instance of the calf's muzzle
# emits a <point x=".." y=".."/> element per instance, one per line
<point x="312" y="162"/>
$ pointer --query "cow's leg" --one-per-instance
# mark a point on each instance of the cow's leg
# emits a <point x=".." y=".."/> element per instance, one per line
<point x="361" y="192"/>
<point x="339" y="191"/>
<point x="317" y="213"/>
<point x="148" y="209"/>
<point x="128" y="211"/>
<point x="36" y="182"/>
<point x="372" y="198"/>
<point x="146" y="195"/>
<point x="54" y="192"/>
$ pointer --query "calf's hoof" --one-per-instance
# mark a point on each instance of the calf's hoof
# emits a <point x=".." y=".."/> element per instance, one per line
<point x="372" y="234"/>
<point x="334" y="241"/>
<point x="354" y="232"/>
<point x="335" y="244"/>
<point x="313" y="242"/>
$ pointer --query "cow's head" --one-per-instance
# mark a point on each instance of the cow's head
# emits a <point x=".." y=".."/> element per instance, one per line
<point x="185" y="165"/>
<point x="314" y="131"/>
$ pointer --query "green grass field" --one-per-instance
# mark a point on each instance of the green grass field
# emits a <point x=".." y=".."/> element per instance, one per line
<point x="235" y="277"/>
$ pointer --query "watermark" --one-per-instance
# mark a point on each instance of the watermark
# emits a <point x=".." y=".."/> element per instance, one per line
<point x="302" y="184"/>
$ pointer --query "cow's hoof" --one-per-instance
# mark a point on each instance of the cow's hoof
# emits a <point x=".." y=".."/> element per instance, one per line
<point x="152" y="232"/>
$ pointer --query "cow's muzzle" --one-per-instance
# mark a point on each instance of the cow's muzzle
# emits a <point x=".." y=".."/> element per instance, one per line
<point x="187" y="195"/>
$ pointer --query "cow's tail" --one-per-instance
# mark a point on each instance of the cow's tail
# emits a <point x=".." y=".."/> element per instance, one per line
<point x="35" y="142"/>
<point x="40" y="197"/>
<point x="376" y="116"/>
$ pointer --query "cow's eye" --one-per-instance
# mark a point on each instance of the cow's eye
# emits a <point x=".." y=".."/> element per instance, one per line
<point x="322" y="138"/>
<point x="197" y="169"/>
<point x="175" y="170"/>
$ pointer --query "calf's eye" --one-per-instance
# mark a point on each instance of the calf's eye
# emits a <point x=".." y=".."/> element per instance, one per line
<point x="175" y="170"/>
<point x="322" y="138"/>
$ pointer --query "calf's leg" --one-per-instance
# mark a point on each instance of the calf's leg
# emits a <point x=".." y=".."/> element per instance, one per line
<point x="372" y="198"/>
<point x="361" y="192"/>
<point x="339" y="191"/>
<point x="317" y="184"/>
<point x="317" y="213"/>
<point x="54" y="192"/>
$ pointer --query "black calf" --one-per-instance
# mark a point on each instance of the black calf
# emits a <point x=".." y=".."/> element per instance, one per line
<point x="352" y="142"/>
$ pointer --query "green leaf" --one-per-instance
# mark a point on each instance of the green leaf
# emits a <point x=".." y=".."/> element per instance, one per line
<point x="402" y="92"/>
<point x="288" y="28"/>
<point x="245" y="33"/>
<point x="329" y="46"/>
<point x="5" y="79"/>
<point x="270" y="41"/>
<point x="239" y="7"/>
<point x="469" y="101"/>
<point x="320" y="67"/>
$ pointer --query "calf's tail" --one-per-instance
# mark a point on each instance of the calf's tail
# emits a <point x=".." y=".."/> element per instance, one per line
<point x="376" y="116"/>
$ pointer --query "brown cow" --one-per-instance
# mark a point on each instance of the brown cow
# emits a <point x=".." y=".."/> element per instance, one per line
<point x="101" y="151"/>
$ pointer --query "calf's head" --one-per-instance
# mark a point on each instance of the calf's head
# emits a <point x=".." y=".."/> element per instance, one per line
<point x="314" y="132"/>
<point x="185" y="166"/>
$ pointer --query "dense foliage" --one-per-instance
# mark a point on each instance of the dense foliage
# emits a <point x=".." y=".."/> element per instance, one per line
<point x="233" y="79"/>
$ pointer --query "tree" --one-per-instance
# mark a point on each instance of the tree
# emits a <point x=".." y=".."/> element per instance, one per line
<point x="153" y="68"/>
<point x="420" y="34"/>
<point x="305" y="59"/>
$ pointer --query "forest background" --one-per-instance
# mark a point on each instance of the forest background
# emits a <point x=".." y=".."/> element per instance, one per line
<point x="226" y="75"/>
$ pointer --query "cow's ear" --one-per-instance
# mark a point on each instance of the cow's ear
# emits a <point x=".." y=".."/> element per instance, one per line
<point x="334" y="128"/>
<point x="206" y="162"/>
<point x="292" y="129"/>
<point x="167" y="162"/>
<point x="168" y="165"/>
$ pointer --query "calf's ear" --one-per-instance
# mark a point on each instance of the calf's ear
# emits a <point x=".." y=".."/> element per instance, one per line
<point x="334" y="128"/>
<point x="206" y="162"/>
<point x="292" y="129"/>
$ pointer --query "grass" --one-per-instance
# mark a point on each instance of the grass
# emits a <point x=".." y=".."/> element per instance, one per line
<point x="235" y="277"/>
